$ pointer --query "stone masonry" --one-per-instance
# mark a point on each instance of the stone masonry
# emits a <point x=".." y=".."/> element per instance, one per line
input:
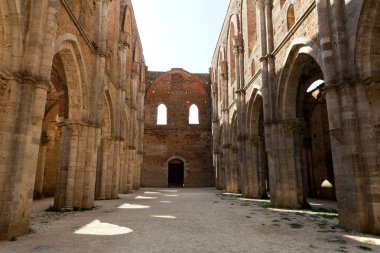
<point x="295" y="91"/>
<point x="72" y="87"/>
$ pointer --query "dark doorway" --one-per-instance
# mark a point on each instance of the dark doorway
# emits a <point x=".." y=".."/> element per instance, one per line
<point x="176" y="173"/>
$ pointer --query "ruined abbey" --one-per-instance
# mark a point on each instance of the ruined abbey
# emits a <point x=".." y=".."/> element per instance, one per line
<point x="289" y="109"/>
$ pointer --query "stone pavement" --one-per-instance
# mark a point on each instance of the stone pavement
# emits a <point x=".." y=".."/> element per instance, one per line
<point x="184" y="220"/>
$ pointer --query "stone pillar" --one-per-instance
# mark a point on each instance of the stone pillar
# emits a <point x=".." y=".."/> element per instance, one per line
<point x="215" y="130"/>
<point x="226" y="126"/>
<point x="72" y="158"/>
<point x="352" y="186"/>
<point x="115" y="169"/>
<point x="103" y="174"/>
<point x="39" y="184"/>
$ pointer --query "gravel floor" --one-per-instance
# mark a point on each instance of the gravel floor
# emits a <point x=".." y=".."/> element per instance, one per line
<point x="186" y="220"/>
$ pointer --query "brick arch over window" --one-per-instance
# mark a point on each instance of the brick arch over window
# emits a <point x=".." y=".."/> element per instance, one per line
<point x="232" y="63"/>
<point x="291" y="19"/>
<point x="251" y="25"/>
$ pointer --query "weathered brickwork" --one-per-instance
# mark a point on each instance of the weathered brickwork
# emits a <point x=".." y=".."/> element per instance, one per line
<point x="190" y="143"/>
<point x="272" y="134"/>
<point x="72" y="86"/>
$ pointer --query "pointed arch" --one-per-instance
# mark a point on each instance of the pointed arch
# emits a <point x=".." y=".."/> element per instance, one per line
<point x="285" y="106"/>
<point x="67" y="48"/>
<point x="367" y="47"/>
<point x="251" y="24"/>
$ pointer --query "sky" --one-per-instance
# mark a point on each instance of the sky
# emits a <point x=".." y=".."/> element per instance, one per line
<point x="179" y="33"/>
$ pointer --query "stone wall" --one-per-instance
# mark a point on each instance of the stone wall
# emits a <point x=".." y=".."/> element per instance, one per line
<point x="72" y="79"/>
<point x="269" y="53"/>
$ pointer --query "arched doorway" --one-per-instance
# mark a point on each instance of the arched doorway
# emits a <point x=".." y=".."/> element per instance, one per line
<point x="313" y="144"/>
<point x="176" y="173"/>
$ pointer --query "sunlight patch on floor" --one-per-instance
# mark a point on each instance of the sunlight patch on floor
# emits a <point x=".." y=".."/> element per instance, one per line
<point x="164" y="216"/>
<point x="132" y="206"/>
<point x="148" y="192"/>
<point x="145" y="197"/>
<point x="170" y="191"/>
<point x="362" y="239"/>
<point x="99" y="228"/>
<point x="255" y="200"/>
<point x="171" y="195"/>
<point x="166" y="202"/>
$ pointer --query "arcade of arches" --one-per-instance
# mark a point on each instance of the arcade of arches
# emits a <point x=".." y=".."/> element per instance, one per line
<point x="290" y="108"/>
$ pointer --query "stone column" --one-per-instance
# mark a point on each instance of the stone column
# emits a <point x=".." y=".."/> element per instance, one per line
<point x="350" y="177"/>
<point x="70" y="179"/>
<point x="215" y="132"/>
<point x="39" y="184"/>
<point x="116" y="169"/>
<point x="225" y="125"/>
<point x="103" y="177"/>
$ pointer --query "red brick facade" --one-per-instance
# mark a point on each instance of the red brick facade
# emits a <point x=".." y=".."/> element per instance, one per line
<point x="190" y="143"/>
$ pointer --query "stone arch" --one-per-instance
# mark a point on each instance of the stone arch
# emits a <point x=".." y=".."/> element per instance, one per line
<point x="67" y="48"/>
<point x="233" y="169"/>
<point x="108" y="123"/>
<point x="104" y="166"/>
<point x="231" y="56"/>
<point x="366" y="51"/>
<point x="304" y="122"/>
<point x="137" y="52"/>
<point x="257" y="164"/>
<point x="127" y="24"/>
<point x="300" y="50"/>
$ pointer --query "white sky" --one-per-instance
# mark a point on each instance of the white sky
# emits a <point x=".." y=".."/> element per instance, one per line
<point x="179" y="33"/>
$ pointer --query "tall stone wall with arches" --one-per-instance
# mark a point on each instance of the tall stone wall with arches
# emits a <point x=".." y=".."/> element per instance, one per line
<point x="72" y="86"/>
<point x="294" y="91"/>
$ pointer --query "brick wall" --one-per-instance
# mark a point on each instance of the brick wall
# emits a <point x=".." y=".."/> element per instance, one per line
<point x="177" y="90"/>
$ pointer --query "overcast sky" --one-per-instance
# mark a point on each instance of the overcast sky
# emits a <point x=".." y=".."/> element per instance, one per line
<point x="179" y="33"/>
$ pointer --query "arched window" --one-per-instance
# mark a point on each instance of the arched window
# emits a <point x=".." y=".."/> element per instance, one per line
<point x="232" y="75"/>
<point x="291" y="17"/>
<point x="251" y="25"/>
<point x="162" y="115"/>
<point x="315" y="85"/>
<point x="193" y="115"/>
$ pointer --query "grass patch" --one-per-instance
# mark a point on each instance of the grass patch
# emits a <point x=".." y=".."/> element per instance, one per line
<point x="52" y="209"/>
<point x="79" y="209"/>
<point x="326" y="231"/>
<point x="286" y="218"/>
<point x="325" y="213"/>
<point x="365" y="248"/>
<point x="267" y="205"/>
<point x="295" y="225"/>
<point x="75" y="209"/>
